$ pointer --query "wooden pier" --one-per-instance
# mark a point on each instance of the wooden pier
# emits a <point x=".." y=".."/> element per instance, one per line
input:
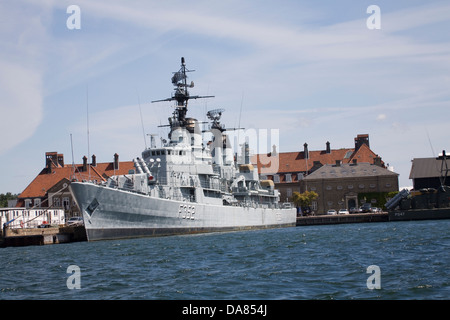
<point x="342" y="218"/>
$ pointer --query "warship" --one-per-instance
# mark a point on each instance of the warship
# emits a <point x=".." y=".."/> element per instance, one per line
<point x="422" y="204"/>
<point x="185" y="186"/>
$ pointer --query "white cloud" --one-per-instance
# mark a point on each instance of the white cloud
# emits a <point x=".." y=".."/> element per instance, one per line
<point x="22" y="35"/>
<point x="20" y="104"/>
<point x="306" y="76"/>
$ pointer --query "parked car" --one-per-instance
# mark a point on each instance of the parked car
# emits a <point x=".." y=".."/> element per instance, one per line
<point x="354" y="210"/>
<point x="343" y="211"/>
<point x="331" y="212"/>
<point x="366" y="207"/>
<point x="75" y="221"/>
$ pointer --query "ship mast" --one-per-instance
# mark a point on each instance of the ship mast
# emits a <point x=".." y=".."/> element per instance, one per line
<point x="181" y="96"/>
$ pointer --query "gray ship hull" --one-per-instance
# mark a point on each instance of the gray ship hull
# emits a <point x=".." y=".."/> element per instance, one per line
<point x="419" y="214"/>
<point x="111" y="213"/>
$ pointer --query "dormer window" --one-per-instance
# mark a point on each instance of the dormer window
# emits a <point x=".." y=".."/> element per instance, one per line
<point x="288" y="177"/>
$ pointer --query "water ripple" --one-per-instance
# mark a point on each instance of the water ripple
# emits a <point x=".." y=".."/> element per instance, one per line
<point x="314" y="262"/>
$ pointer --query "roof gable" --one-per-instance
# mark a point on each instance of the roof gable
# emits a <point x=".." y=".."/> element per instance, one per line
<point x="363" y="154"/>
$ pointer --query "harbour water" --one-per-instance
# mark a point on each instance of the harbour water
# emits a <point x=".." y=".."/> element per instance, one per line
<point x="298" y="263"/>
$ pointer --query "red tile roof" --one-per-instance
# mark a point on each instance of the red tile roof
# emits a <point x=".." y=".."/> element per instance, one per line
<point x="44" y="180"/>
<point x="289" y="162"/>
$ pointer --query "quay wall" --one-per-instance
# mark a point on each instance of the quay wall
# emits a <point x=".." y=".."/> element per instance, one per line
<point x="42" y="236"/>
<point x="342" y="218"/>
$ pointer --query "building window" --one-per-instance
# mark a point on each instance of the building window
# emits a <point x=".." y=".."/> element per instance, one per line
<point x="313" y="188"/>
<point x="314" y="205"/>
<point x="57" y="202"/>
<point x="388" y="185"/>
<point x="372" y="185"/>
<point x="350" y="186"/>
<point x="329" y="188"/>
<point x="288" y="177"/>
<point x="289" y="192"/>
<point x="66" y="203"/>
<point x="361" y="186"/>
<point x="339" y="187"/>
<point x="276" y="178"/>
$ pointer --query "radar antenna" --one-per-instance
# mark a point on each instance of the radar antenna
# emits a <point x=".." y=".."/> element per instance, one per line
<point x="214" y="115"/>
<point x="181" y="95"/>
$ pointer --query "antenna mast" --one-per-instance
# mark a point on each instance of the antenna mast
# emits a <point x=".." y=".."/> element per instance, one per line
<point x="181" y="95"/>
<point x="142" y="120"/>
<point x="87" y="117"/>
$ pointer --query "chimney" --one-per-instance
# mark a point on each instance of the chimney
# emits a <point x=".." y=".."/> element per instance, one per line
<point x="84" y="164"/>
<point x="49" y="165"/>
<point x="94" y="160"/>
<point x="305" y="150"/>
<point x="51" y="159"/>
<point x="328" y="150"/>
<point x="116" y="161"/>
<point x="377" y="161"/>
<point x="338" y="163"/>
<point x="274" y="151"/>
<point x="355" y="161"/>
<point x="360" y="140"/>
<point x="61" y="160"/>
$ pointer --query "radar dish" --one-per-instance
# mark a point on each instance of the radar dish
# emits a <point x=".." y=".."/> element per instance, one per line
<point x="215" y="114"/>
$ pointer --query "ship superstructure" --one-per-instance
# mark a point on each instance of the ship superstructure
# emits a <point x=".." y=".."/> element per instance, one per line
<point x="183" y="186"/>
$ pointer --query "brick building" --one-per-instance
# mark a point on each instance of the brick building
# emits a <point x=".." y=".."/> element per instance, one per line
<point x="294" y="168"/>
<point x="345" y="186"/>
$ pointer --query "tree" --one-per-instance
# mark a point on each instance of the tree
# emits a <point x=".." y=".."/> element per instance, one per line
<point x="4" y="199"/>
<point x="304" y="200"/>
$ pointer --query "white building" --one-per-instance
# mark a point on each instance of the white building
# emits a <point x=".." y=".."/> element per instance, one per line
<point x="31" y="218"/>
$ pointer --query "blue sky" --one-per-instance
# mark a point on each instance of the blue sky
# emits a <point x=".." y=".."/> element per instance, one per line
<point x="311" y="69"/>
